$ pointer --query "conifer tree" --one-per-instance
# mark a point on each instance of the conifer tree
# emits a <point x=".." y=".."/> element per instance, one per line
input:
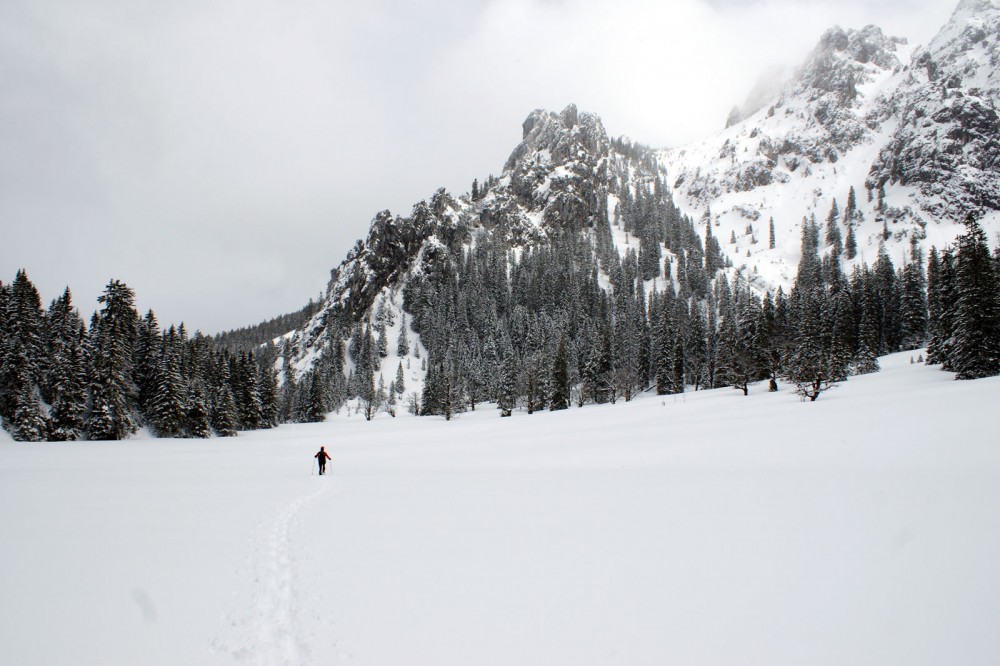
<point x="383" y="343"/>
<point x="315" y="411"/>
<point x="833" y="237"/>
<point x="851" y="211"/>
<point x="147" y="360"/>
<point x="29" y="423"/>
<point x="167" y="409"/>
<point x="507" y="387"/>
<point x="399" y="385"/>
<point x="403" y="342"/>
<point x="866" y="359"/>
<point x="559" y="396"/>
<point x="270" y="407"/>
<point x="113" y="391"/>
<point x="225" y="415"/>
<point x="913" y="316"/>
<point x="770" y="234"/>
<point x="977" y="324"/>
<point x="935" y="308"/>
<point x="198" y="422"/>
<point x="851" y="244"/>
<point x="69" y="388"/>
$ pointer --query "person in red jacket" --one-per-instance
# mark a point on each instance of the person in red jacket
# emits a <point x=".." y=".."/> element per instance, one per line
<point x="322" y="457"/>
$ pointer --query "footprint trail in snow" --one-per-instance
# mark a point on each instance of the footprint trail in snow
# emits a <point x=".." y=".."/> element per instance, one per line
<point x="268" y="631"/>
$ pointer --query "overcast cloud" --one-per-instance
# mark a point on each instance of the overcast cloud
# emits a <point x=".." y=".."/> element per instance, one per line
<point x="222" y="157"/>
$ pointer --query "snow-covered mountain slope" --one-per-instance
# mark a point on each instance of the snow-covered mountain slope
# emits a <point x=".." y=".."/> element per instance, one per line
<point x="913" y="131"/>
<point x="564" y="177"/>
<point x="859" y="529"/>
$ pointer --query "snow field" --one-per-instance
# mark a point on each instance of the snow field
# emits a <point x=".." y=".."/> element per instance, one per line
<point x="709" y="528"/>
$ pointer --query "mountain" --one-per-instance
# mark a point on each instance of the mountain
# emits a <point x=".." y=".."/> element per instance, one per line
<point x="610" y="253"/>
<point x="914" y="131"/>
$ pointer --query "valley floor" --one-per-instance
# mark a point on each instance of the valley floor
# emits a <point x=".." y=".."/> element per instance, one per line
<point x="708" y="528"/>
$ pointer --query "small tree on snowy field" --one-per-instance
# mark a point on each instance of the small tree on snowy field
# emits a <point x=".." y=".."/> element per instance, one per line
<point x="400" y="384"/>
<point x="403" y="342"/>
<point x="770" y="236"/>
<point x="812" y="388"/>
<point x="413" y="404"/>
<point x="391" y="402"/>
<point x="381" y="395"/>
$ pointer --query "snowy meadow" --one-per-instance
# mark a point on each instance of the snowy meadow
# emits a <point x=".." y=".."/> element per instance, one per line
<point x="705" y="528"/>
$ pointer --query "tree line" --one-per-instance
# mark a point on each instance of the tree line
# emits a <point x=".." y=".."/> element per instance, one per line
<point x="568" y="322"/>
<point x="63" y="380"/>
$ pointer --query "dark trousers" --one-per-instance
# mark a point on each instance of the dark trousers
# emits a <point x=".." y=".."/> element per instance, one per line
<point x="322" y="467"/>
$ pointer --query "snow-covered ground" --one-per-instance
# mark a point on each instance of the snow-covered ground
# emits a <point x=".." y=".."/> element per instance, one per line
<point x="709" y="528"/>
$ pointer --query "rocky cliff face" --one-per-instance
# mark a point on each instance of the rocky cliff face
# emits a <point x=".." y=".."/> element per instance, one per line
<point x="946" y="144"/>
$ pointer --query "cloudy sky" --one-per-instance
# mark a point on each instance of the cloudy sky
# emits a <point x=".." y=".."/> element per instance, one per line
<point x="222" y="156"/>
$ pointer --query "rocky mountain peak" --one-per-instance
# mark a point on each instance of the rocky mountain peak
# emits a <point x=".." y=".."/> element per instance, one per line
<point x="843" y="60"/>
<point x="560" y="137"/>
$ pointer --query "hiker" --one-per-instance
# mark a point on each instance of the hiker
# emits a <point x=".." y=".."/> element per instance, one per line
<point x="322" y="457"/>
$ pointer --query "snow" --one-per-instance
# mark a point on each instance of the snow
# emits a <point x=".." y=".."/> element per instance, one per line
<point x="707" y="528"/>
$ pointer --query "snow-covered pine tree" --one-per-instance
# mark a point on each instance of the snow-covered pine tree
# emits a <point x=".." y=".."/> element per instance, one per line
<point x="977" y="323"/>
<point x="913" y="315"/>
<point x="866" y="358"/>
<point x="270" y="406"/>
<point x="167" y="411"/>
<point x="29" y="423"/>
<point x="559" y="386"/>
<point x="198" y="423"/>
<point x="400" y="382"/>
<point x="403" y="341"/>
<point x="113" y="392"/>
<point x="851" y="244"/>
<point x="507" y="386"/>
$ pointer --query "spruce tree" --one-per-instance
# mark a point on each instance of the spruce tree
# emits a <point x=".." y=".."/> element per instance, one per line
<point x="977" y="325"/>
<point x="29" y="423"/>
<point x="507" y="384"/>
<point x="913" y="318"/>
<point x="851" y="244"/>
<point x="559" y="396"/>
<point x="399" y="385"/>
<point x="267" y="385"/>
<point x="113" y="391"/>
<point x="403" y="342"/>
<point x="315" y="411"/>
<point x="198" y="422"/>
<point x="866" y="359"/>
<point x="225" y="415"/>
<point x="167" y="410"/>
